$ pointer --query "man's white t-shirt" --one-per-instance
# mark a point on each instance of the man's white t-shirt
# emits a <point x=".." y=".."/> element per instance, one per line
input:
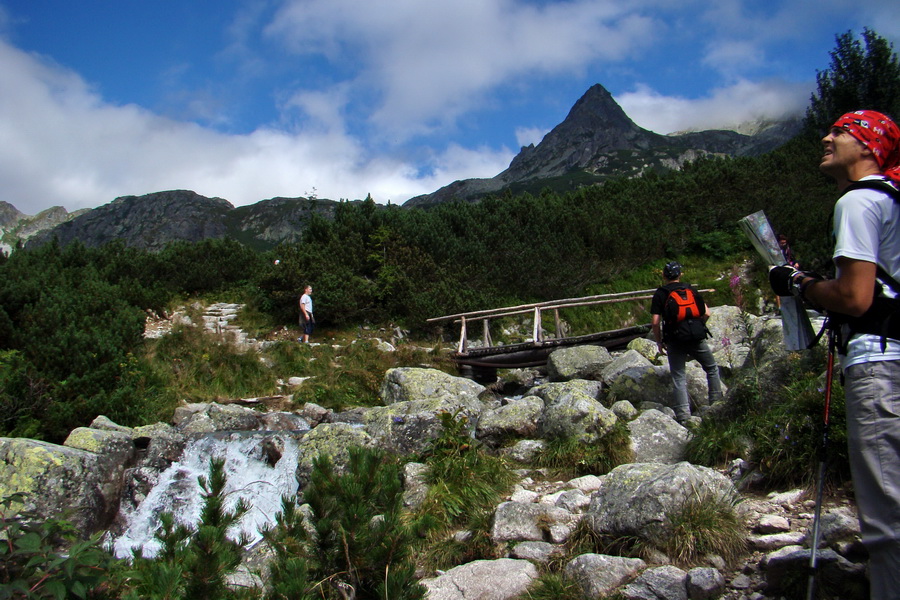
<point x="306" y="301"/>
<point x="867" y="227"/>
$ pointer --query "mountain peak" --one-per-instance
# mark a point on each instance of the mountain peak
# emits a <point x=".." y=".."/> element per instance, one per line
<point x="596" y="141"/>
<point x="599" y="107"/>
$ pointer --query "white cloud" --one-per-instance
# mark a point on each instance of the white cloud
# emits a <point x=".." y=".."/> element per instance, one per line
<point x="61" y="144"/>
<point x="421" y="69"/>
<point x="530" y="135"/>
<point x="728" y="106"/>
<point x="734" y="56"/>
<point x="394" y="69"/>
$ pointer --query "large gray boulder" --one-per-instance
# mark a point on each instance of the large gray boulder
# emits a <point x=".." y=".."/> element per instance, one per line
<point x="705" y="583"/>
<point x="599" y="574"/>
<point x="114" y="449"/>
<point x="577" y="362"/>
<point x="647" y="383"/>
<point x="577" y="415"/>
<point x="656" y="438"/>
<point x="331" y="440"/>
<point x="518" y="418"/>
<point x="406" y="384"/>
<point x="729" y="326"/>
<point x="163" y="445"/>
<point x="408" y="427"/>
<point x="523" y="451"/>
<point x="657" y="583"/>
<point x="61" y="482"/>
<point x="531" y="522"/>
<point x="646" y="347"/>
<point x="636" y="499"/>
<point x="210" y="417"/>
<point x="781" y="567"/>
<point x="501" y="579"/>
<point x="414" y="401"/>
<point x="628" y="360"/>
<point x="638" y="385"/>
<point x="550" y="392"/>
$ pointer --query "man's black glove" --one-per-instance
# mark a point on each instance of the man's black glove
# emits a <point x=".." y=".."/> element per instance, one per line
<point x="785" y="281"/>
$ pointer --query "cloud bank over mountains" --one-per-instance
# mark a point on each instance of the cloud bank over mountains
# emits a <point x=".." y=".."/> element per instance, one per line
<point x="344" y="98"/>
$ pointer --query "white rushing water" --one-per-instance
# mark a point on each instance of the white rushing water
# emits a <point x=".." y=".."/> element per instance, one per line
<point x="178" y="489"/>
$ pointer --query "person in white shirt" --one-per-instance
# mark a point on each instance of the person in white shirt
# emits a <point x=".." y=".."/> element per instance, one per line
<point x="307" y="320"/>
<point x="862" y="154"/>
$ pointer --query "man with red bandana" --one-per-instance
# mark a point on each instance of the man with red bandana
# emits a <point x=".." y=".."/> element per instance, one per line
<point x="862" y="150"/>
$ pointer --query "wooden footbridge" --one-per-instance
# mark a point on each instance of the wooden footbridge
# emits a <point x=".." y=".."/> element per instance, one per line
<point x="482" y="362"/>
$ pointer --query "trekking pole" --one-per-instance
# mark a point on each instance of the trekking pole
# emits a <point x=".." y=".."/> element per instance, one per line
<point x="820" y="483"/>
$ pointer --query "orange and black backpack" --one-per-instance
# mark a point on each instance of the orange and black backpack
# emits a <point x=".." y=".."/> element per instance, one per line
<point x="683" y="316"/>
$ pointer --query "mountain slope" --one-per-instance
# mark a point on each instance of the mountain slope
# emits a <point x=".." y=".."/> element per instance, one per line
<point x="153" y="220"/>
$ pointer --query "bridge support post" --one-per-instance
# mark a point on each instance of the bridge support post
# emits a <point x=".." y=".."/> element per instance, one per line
<point x="463" y="337"/>
<point x="537" y="325"/>
<point x="487" y="333"/>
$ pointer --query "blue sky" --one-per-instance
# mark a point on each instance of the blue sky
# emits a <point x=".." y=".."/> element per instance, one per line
<point x="248" y="100"/>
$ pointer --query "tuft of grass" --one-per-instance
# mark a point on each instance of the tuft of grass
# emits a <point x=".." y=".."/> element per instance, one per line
<point x="572" y="457"/>
<point x="554" y="586"/>
<point x="348" y="372"/>
<point x="254" y="321"/>
<point x="788" y="437"/>
<point x="198" y="367"/>
<point x="715" y="443"/>
<point x="194" y="365"/>
<point x="443" y="549"/>
<point x="465" y="486"/>
<point x="705" y="524"/>
<point x="461" y="474"/>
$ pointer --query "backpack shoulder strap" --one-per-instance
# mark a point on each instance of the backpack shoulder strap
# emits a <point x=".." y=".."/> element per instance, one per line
<point x="886" y="186"/>
<point x="882" y="185"/>
<point x="886" y="278"/>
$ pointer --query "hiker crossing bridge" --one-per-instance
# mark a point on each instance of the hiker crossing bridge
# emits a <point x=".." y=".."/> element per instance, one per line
<point x="482" y="361"/>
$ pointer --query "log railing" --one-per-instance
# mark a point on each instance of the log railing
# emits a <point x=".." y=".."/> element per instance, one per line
<point x="537" y="308"/>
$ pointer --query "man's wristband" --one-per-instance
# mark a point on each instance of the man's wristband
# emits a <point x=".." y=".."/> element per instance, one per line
<point x="804" y="286"/>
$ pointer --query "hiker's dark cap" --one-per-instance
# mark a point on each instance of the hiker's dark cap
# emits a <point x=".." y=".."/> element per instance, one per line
<point x="672" y="270"/>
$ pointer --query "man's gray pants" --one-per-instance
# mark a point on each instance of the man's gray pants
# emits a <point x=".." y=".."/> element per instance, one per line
<point x="872" y="393"/>
<point x="678" y="355"/>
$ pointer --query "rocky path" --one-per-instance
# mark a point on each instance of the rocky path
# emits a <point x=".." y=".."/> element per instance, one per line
<point x="776" y="521"/>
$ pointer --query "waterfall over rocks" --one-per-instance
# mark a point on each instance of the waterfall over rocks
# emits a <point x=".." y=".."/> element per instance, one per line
<point x="260" y="467"/>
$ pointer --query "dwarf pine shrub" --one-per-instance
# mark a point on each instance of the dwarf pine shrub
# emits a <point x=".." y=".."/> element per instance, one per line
<point x="194" y="562"/>
<point x="363" y="541"/>
<point x="292" y="542"/>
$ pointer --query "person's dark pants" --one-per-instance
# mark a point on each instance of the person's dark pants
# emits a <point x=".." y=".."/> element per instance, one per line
<point x="678" y="355"/>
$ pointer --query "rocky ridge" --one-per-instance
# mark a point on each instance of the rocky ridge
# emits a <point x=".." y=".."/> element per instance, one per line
<point x="18" y="227"/>
<point x="151" y="221"/>
<point x="598" y="139"/>
<point x="105" y="468"/>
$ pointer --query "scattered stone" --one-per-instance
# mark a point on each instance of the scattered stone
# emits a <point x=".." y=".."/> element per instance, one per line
<point x="599" y="574"/>
<point x="506" y="578"/>
<point x="657" y="583"/>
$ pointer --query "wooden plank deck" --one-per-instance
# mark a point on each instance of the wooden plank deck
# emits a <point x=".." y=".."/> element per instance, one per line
<point x="532" y="354"/>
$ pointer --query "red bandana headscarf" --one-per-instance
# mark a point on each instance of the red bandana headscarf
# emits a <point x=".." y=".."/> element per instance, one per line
<point x="879" y="134"/>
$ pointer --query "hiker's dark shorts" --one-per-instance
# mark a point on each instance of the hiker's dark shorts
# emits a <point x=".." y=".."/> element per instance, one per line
<point x="307" y="326"/>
